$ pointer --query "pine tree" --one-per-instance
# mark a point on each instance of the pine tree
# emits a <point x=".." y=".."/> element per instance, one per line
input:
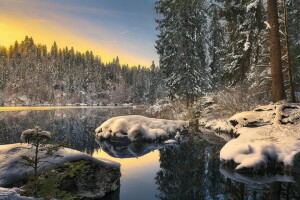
<point x="181" y="47"/>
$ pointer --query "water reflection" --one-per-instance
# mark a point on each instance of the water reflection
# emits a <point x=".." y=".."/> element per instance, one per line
<point x="132" y="150"/>
<point x="249" y="178"/>
<point x="75" y="125"/>
<point x="187" y="171"/>
<point x="192" y="172"/>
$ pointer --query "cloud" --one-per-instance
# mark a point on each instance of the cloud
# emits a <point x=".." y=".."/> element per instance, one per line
<point x="72" y="25"/>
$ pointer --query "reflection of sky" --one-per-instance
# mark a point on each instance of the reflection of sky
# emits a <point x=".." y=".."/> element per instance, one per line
<point x="137" y="180"/>
<point x="108" y="27"/>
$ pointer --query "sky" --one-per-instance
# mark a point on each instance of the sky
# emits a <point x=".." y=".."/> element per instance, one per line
<point x="109" y="28"/>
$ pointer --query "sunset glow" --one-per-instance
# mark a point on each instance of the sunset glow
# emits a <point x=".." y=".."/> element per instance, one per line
<point x="104" y="27"/>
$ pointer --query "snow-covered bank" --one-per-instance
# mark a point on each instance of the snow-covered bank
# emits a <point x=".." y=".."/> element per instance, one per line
<point x="268" y="133"/>
<point x="134" y="128"/>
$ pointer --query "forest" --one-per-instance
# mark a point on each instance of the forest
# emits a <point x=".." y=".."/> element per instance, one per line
<point x="221" y="45"/>
<point x="204" y="47"/>
<point x="33" y="75"/>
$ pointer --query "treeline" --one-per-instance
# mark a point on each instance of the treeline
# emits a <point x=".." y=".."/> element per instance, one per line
<point x="31" y="75"/>
<point x="209" y="45"/>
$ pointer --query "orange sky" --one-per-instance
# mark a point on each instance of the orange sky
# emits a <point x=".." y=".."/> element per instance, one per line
<point x="72" y="26"/>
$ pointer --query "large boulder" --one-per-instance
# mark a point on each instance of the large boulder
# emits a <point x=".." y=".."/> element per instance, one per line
<point x="98" y="176"/>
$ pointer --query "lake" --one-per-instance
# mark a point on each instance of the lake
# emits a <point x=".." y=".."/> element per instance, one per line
<point x="191" y="170"/>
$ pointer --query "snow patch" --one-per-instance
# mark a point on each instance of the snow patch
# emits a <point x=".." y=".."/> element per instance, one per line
<point x="267" y="24"/>
<point x="254" y="4"/>
<point x="246" y="46"/>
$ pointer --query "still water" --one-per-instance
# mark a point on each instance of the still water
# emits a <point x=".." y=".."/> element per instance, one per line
<point x="188" y="171"/>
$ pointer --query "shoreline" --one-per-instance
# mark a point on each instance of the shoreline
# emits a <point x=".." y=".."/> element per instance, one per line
<point x="28" y="108"/>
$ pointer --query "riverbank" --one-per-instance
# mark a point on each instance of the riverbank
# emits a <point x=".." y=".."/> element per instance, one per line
<point x="267" y="135"/>
<point x="22" y="108"/>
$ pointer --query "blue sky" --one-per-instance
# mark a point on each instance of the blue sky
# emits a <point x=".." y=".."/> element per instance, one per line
<point x="124" y="28"/>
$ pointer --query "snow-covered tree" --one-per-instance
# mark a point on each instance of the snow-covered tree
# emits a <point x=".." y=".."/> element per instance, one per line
<point x="181" y="47"/>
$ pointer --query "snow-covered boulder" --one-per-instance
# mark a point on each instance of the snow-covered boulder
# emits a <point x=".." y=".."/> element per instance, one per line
<point x="98" y="177"/>
<point x="136" y="128"/>
<point x="268" y="133"/>
<point x="12" y="194"/>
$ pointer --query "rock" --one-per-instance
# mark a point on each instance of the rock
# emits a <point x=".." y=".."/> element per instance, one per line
<point x="93" y="181"/>
<point x="98" y="177"/>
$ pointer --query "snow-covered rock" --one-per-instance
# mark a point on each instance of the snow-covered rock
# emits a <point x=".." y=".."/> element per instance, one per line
<point x="12" y="194"/>
<point x="268" y="133"/>
<point x="136" y="128"/>
<point x="98" y="177"/>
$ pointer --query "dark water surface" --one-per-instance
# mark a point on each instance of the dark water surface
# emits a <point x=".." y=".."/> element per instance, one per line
<point x="188" y="171"/>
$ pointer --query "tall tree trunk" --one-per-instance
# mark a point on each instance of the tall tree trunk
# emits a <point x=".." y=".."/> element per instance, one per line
<point x="287" y="44"/>
<point x="278" y="92"/>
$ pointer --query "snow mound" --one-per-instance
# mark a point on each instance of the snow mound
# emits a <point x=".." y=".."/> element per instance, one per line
<point x="139" y="128"/>
<point x="268" y="133"/>
<point x="27" y="134"/>
<point x="12" y="170"/>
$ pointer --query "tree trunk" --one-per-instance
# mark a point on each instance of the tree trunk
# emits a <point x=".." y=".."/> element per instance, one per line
<point x="275" y="190"/>
<point x="287" y="43"/>
<point x="278" y="92"/>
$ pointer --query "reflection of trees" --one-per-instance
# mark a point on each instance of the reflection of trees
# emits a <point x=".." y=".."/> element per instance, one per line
<point x="262" y="185"/>
<point x="188" y="172"/>
<point x="76" y="125"/>
<point x="192" y="172"/>
<point x="271" y="191"/>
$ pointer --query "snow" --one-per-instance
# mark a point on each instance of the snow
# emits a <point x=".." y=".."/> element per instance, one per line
<point x="267" y="24"/>
<point x="12" y="194"/>
<point x="246" y="46"/>
<point x="27" y="134"/>
<point x="159" y="106"/>
<point x="133" y="126"/>
<point x="11" y="169"/>
<point x="171" y="141"/>
<point x="254" y="4"/>
<point x="267" y="133"/>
